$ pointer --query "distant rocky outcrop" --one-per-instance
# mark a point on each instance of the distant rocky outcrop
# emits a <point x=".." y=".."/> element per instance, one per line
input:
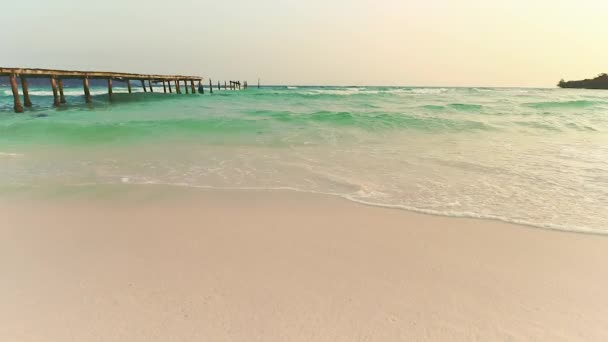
<point x="600" y="82"/>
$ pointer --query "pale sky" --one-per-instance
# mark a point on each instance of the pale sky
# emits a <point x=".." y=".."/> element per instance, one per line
<point x="316" y="42"/>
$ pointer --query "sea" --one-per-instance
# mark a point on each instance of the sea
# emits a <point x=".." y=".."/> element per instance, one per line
<point x="537" y="157"/>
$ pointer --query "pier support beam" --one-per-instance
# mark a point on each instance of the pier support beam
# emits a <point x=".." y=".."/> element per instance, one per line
<point x="225" y="85"/>
<point x="201" y="89"/>
<point x="87" y="91"/>
<point x="150" y="84"/>
<point x="210" y="87"/>
<point x="143" y="85"/>
<point x="26" y="92"/>
<point x="177" y="88"/>
<point x="17" y="101"/>
<point x="164" y="87"/>
<point x="110" y="89"/>
<point x="61" y="95"/>
<point x="186" y="86"/>
<point x="170" y="90"/>
<point x="55" y="92"/>
<point x="192" y="85"/>
<point x="129" y="86"/>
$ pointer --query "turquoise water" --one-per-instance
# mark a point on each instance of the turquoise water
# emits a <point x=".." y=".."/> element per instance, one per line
<point x="531" y="156"/>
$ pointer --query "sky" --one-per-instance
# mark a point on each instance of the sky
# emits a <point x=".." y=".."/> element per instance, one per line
<point x="528" y="43"/>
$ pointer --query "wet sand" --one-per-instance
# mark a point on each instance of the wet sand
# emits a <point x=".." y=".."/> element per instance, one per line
<point x="166" y="264"/>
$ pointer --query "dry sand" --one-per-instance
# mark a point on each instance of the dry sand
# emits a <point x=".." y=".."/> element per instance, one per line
<point x="160" y="264"/>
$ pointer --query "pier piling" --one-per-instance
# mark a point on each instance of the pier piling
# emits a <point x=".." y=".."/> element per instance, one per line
<point x="186" y="87"/>
<point x="143" y="85"/>
<point x="210" y="87"/>
<point x="192" y="86"/>
<point x="26" y="92"/>
<point x="177" y="88"/>
<point x="61" y="95"/>
<point x="110" y="89"/>
<point x="55" y="92"/>
<point x="87" y="91"/>
<point x="164" y="87"/>
<point x="201" y="89"/>
<point x="150" y="85"/>
<point x="129" y="86"/>
<point x="17" y="101"/>
<point x="170" y="90"/>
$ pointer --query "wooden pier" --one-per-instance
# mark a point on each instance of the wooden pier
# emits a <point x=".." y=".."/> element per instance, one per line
<point x="56" y="78"/>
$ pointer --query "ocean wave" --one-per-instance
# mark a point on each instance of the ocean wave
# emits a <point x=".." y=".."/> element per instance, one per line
<point x="421" y="91"/>
<point x="252" y="126"/>
<point x="465" y="107"/>
<point x="564" y="104"/>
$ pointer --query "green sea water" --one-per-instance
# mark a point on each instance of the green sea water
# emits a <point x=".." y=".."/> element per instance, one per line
<point x="531" y="156"/>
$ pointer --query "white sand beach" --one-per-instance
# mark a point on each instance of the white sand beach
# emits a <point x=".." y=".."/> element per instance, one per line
<point x="166" y="264"/>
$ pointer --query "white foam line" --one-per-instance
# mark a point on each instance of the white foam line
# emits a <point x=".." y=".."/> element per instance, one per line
<point x="10" y="154"/>
<point x="554" y="227"/>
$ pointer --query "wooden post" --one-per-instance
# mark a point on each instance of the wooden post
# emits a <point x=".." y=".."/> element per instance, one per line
<point x="26" y="92"/>
<point x="186" y="86"/>
<point x="143" y="85"/>
<point x="150" y="84"/>
<point x="177" y="89"/>
<point x="61" y="95"/>
<point x="129" y="86"/>
<point x="55" y="92"/>
<point x="17" y="101"/>
<point x="258" y="83"/>
<point x="87" y="91"/>
<point x="110" y="89"/>
<point x="192" y="85"/>
<point x="170" y="90"/>
<point x="164" y="87"/>
<point x="219" y="87"/>
<point x="201" y="89"/>
<point x="210" y="87"/>
<point x="225" y="85"/>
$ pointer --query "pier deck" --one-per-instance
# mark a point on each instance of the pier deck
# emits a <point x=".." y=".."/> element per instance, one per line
<point x="56" y="78"/>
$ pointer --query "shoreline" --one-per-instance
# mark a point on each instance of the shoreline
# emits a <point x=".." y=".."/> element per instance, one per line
<point x="470" y="216"/>
<point x="159" y="263"/>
